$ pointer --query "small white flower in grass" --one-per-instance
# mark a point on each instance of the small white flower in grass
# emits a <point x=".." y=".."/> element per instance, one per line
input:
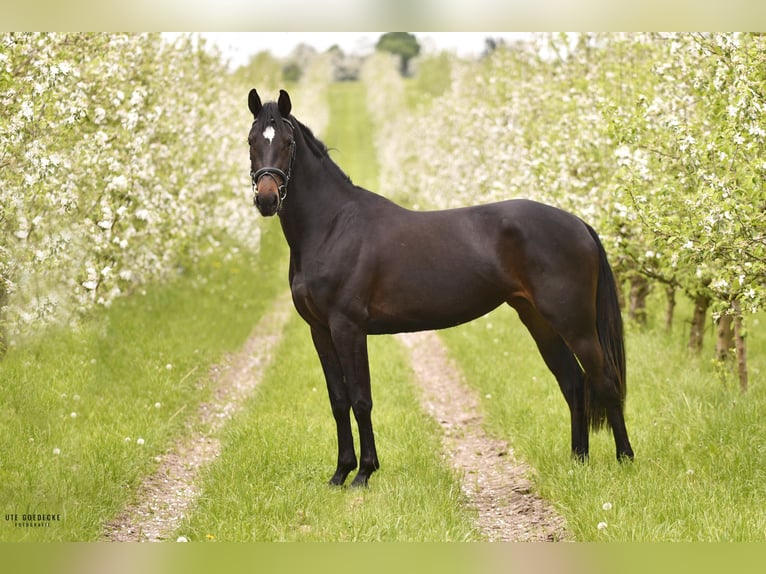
<point x="57" y="451"/>
<point x="607" y="506"/>
<point x="169" y="367"/>
<point x="73" y="415"/>
<point x="139" y="441"/>
<point x="127" y="439"/>
<point x="488" y="396"/>
<point x="690" y="471"/>
<point x="157" y="405"/>
<point x="602" y="526"/>
<point x="182" y="539"/>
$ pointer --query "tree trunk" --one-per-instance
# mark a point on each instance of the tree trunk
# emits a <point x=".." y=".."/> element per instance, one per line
<point x="696" y="336"/>
<point x="725" y="340"/>
<point x="670" y="307"/>
<point x="620" y="293"/>
<point x="639" y="289"/>
<point x="739" y="345"/>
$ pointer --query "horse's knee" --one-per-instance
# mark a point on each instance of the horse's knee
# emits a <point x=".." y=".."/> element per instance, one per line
<point x="340" y="410"/>
<point x="362" y="407"/>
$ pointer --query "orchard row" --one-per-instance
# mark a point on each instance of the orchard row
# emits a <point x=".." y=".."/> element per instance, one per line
<point x="656" y="139"/>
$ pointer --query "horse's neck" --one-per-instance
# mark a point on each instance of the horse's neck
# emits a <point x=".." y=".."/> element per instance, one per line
<point x="316" y="195"/>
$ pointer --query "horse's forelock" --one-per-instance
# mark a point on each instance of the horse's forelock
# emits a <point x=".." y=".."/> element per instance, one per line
<point x="269" y="112"/>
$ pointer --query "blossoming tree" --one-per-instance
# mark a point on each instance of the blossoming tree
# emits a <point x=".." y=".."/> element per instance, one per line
<point x="120" y="157"/>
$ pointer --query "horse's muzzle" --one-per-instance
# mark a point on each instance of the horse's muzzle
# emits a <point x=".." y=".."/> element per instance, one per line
<point x="267" y="205"/>
<point x="269" y="192"/>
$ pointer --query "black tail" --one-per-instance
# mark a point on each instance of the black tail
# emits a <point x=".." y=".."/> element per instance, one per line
<point x="610" y="335"/>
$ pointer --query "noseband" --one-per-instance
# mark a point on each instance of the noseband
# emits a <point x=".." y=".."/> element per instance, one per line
<point x="256" y="176"/>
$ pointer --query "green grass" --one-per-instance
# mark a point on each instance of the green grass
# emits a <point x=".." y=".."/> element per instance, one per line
<point x="270" y="482"/>
<point x="700" y="468"/>
<point x="349" y="134"/>
<point x="138" y="370"/>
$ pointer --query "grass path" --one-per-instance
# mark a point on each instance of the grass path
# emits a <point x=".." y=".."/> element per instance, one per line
<point x="86" y="411"/>
<point x="165" y="496"/>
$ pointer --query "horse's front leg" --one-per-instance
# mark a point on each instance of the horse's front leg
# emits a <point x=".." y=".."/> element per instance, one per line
<point x="351" y="345"/>
<point x="339" y="401"/>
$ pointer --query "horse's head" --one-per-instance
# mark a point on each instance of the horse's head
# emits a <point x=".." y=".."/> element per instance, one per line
<point x="272" y="151"/>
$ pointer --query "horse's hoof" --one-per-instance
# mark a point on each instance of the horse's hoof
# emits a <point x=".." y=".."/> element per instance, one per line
<point x="581" y="457"/>
<point x="625" y="457"/>
<point x="360" y="481"/>
<point x="338" y="479"/>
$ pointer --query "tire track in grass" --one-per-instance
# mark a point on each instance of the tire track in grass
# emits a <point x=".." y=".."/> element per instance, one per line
<point x="165" y="497"/>
<point x="494" y="482"/>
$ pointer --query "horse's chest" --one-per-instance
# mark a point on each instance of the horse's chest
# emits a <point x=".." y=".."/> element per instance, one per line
<point x="310" y="297"/>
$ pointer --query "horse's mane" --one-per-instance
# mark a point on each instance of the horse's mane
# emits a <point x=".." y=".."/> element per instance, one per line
<point x="317" y="147"/>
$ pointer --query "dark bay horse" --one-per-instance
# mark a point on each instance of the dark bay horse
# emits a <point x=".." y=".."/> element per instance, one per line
<point x="362" y="265"/>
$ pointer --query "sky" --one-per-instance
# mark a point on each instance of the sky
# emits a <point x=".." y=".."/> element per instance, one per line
<point x="239" y="46"/>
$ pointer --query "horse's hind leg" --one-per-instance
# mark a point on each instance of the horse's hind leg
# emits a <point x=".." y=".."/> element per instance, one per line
<point x="339" y="401"/>
<point x="562" y="363"/>
<point x="604" y="396"/>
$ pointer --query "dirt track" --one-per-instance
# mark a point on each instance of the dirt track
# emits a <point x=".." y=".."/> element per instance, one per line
<point x="495" y="483"/>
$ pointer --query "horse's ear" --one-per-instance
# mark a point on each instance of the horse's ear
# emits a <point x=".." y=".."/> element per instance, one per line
<point x="254" y="103"/>
<point x="284" y="104"/>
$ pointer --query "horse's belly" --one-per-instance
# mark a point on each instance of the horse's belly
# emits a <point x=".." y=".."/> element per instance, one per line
<point x="429" y="306"/>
